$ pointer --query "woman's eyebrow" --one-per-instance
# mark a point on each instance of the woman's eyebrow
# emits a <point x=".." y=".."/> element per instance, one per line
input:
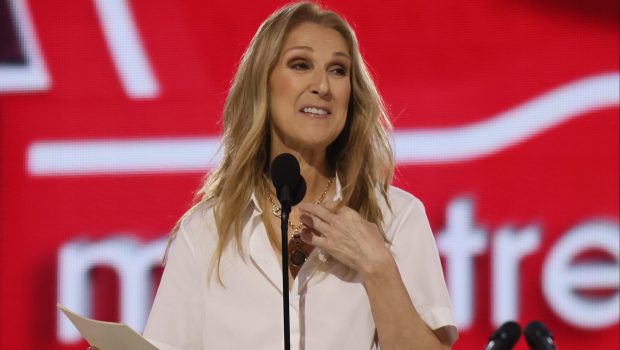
<point x="308" y="48"/>
<point x="342" y="54"/>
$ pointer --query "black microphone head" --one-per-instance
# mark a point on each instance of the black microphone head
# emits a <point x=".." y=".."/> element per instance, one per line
<point x="284" y="170"/>
<point x="538" y="336"/>
<point x="299" y="192"/>
<point x="285" y="173"/>
<point x="537" y="328"/>
<point x="507" y="335"/>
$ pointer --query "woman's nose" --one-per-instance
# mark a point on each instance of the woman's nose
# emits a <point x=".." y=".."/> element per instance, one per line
<point x="320" y="85"/>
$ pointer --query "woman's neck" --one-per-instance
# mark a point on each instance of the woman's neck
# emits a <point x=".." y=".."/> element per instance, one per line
<point x="314" y="168"/>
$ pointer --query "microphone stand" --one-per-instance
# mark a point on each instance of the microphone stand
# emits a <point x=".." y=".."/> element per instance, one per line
<point x="284" y="214"/>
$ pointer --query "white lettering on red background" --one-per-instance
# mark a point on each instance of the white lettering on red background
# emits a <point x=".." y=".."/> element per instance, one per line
<point x="132" y="261"/>
<point x="461" y="240"/>
<point x="32" y="75"/>
<point x="121" y="36"/>
<point x="562" y="279"/>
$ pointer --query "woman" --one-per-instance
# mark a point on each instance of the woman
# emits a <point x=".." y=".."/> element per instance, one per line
<point x="364" y="266"/>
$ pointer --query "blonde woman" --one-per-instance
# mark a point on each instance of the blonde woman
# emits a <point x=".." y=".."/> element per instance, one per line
<point x="364" y="268"/>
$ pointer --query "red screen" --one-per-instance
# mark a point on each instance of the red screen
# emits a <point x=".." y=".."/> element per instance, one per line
<point x="506" y="127"/>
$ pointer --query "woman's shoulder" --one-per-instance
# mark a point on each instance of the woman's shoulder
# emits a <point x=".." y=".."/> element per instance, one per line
<point x="402" y="206"/>
<point x="401" y="200"/>
<point x="198" y="223"/>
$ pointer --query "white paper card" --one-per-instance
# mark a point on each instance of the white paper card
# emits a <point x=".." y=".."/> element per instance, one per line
<point x="107" y="335"/>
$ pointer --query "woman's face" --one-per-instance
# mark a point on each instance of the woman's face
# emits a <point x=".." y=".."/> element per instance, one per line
<point x="310" y="88"/>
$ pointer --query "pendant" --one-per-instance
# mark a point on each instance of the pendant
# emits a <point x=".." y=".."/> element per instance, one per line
<point x="298" y="258"/>
<point x="296" y="254"/>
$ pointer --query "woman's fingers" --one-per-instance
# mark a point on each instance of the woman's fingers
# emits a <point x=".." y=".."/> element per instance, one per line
<point x="342" y="233"/>
<point x="317" y="210"/>
<point x="310" y="237"/>
<point x="315" y="223"/>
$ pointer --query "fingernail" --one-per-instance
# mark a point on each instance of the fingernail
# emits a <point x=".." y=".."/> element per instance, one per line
<point x="304" y="237"/>
<point x="305" y="219"/>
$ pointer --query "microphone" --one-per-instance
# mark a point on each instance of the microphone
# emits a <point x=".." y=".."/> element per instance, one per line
<point x="505" y="337"/>
<point x="290" y="189"/>
<point x="286" y="177"/>
<point x="539" y="337"/>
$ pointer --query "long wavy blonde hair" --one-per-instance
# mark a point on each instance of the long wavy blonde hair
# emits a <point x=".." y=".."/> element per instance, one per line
<point x="361" y="155"/>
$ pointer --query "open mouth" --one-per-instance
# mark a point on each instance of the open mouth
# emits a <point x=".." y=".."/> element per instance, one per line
<point x="316" y="111"/>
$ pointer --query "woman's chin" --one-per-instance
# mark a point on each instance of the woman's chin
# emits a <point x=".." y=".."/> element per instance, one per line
<point x="316" y="143"/>
<point x="302" y="140"/>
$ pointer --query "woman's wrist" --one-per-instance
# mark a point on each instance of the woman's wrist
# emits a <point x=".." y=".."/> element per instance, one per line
<point x="380" y="270"/>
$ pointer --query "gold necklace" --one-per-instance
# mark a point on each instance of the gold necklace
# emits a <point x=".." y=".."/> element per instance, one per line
<point x="298" y="251"/>
<point x="276" y="209"/>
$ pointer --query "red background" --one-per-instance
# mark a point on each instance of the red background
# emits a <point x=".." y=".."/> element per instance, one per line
<point x="437" y="64"/>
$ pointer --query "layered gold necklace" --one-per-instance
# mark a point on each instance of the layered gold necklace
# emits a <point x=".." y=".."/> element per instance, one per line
<point x="298" y="251"/>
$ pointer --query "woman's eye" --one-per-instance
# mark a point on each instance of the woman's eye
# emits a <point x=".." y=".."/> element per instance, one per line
<point x="339" y="70"/>
<point x="300" y="65"/>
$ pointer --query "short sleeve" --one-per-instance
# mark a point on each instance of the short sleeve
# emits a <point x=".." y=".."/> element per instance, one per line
<point x="415" y="252"/>
<point x="177" y="315"/>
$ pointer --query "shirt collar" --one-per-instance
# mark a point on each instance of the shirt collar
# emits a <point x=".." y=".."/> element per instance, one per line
<point x="338" y="195"/>
<point x="254" y="200"/>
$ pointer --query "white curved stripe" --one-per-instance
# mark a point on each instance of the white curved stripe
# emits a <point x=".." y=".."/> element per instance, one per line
<point x="515" y="125"/>
<point x="418" y="146"/>
<point x="122" y="156"/>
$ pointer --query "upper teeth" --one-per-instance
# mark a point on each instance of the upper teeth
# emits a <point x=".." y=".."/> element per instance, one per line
<point x="314" y="110"/>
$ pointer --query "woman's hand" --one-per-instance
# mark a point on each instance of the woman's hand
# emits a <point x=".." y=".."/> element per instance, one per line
<point x="345" y="235"/>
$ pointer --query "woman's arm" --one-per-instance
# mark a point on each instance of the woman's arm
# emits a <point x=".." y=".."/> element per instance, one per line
<point x="177" y="315"/>
<point x="399" y="326"/>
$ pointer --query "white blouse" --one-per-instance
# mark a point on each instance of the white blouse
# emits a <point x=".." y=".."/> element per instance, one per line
<point x="329" y="308"/>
